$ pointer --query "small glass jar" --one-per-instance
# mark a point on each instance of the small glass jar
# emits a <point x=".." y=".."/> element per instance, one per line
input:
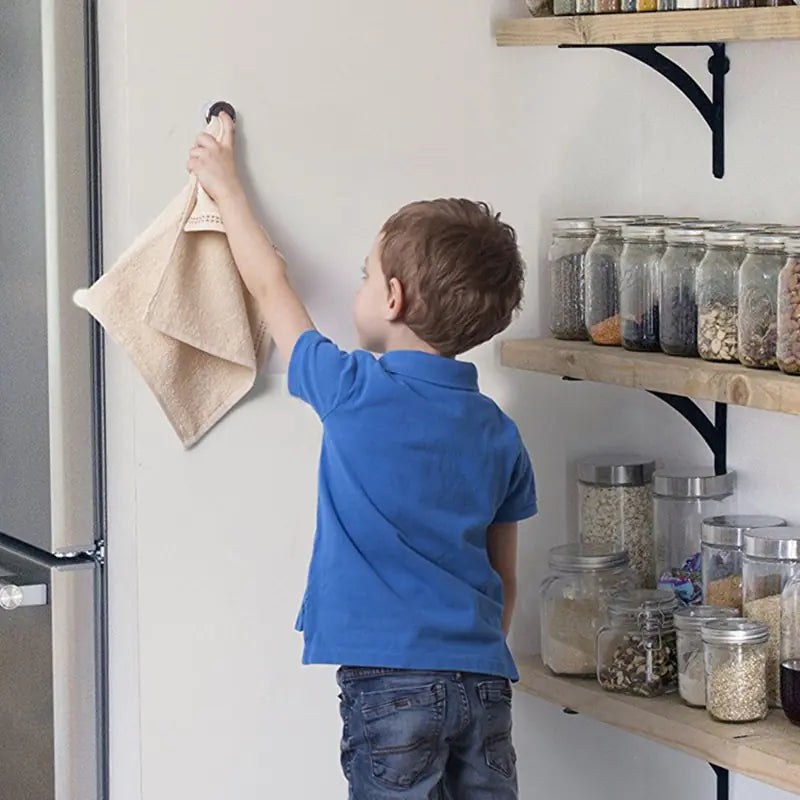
<point x="638" y="302"/>
<point x="771" y="560"/>
<point x="636" y="650"/>
<point x="758" y="300"/>
<point x="790" y="650"/>
<point x="718" y="295"/>
<point x="677" y="306"/>
<point x="566" y="259"/>
<point x="691" y="662"/>
<point x="736" y="658"/>
<point x="788" y="350"/>
<point x="564" y="8"/>
<point x="722" y="548"/>
<point x="681" y="501"/>
<point x="573" y="604"/>
<point x="607" y="6"/>
<point x="615" y="509"/>
<point x="646" y="5"/>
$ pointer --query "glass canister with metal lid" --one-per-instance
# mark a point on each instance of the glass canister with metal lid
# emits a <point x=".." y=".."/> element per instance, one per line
<point x="573" y="604"/>
<point x="636" y="650"/>
<point x="788" y="349"/>
<point x="572" y="237"/>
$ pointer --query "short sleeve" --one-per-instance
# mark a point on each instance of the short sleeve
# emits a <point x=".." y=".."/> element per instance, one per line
<point x="320" y="373"/>
<point x="520" y="501"/>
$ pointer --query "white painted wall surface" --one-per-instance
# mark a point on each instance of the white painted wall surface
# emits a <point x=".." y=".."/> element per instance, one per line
<point x="348" y="110"/>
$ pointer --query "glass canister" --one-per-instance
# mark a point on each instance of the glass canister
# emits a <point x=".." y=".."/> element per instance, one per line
<point x="602" y="281"/>
<point x="682" y="499"/>
<point x="636" y="650"/>
<point x="788" y="351"/>
<point x="771" y="560"/>
<point x="566" y="260"/>
<point x="573" y="604"/>
<point x="790" y="649"/>
<point x="736" y="658"/>
<point x="638" y="300"/>
<point x="677" y="308"/>
<point x="718" y="295"/>
<point x="691" y="662"/>
<point x="615" y="509"/>
<point x="722" y="548"/>
<point x="758" y="300"/>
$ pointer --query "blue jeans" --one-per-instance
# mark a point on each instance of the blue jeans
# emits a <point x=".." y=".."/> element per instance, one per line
<point x="412" y="735"/>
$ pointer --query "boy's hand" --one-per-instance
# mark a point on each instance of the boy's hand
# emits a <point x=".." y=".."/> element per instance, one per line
<point x="214" y="163"/>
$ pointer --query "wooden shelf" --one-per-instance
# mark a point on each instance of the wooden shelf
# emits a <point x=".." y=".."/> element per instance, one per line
<point x="768" y="751"/>
<point x="690" y="377"/>
<point x="718" y="25"/>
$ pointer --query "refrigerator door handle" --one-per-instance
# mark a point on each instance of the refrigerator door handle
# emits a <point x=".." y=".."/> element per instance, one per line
<point x="13" y="596"/>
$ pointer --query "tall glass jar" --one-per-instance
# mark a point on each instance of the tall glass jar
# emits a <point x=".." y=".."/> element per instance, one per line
<point x="718" y="295"/>
<point x="691" y="663"/>
<point x="681" y="501"/>
<point x="722" y="547"/>
<point x="677" y="306"/>
<point x="636" y="650"/>
<point x="771" y="560"/>
<point x="602" y="281"/>
<point x="790" y="649"/>
<point x="736" y="655"/>
<point x="566" y="260"/>
<point x="638" y="301"/>
<point x="758" y="300"/>
<point x="573" y="604"/>
<point x="788" y="351"/>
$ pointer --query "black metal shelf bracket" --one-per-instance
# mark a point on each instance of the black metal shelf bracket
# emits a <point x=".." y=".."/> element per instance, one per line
<point x="723" y="782"/>
<point x="712" y="109"/>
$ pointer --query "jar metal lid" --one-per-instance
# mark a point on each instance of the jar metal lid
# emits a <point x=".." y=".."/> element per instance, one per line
<point x="586" y="557"/>
<point x="766" y="240"/>
<point x="793" y="246"/>
<point x="643" y="232"/>
<point x="697" y="482"/>
<point x="735" y="631"/>
<point x="786" y="230"/>
<point x="727" y="237"/>
<point x="616" y="471"/>
<point x="692" y="618"/>
<point x="728" y="530"/>
<point x="583" y="225"/>
<point x="687" y="235"/>
<point x="614" y="223"/>
<point x="678" y="220"/>
<point x="781" y="544"/>
<point x="637" y="601"/>
<point x="711" y="224"/>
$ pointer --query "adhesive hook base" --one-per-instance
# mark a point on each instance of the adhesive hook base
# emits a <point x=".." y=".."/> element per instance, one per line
<point x="213" y="110"/>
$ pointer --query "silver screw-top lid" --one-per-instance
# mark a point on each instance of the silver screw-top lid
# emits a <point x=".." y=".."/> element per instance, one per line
<point x="586" y="557"/>
<point x="633" y="602"/>
<point x="728" y="530"/>
<point x="692" y="618"/>
<point x="678" y="220"/>
<point x="780" y="544"/>
<point x="616" y="470"/>
<point x="726" y="238"/>
<point x="786" y="230"/>
<point x="766" y="241"/>
<point x="615" y="222"/>
<point x="577" y="225"/>
<point x="712" y="224"/>
<point x="735" y="631"/>
<point x="687" y="235"/>
<point x="642" y="233"/>
<point x="793" y="246"/>
<point x="693" y="482"/>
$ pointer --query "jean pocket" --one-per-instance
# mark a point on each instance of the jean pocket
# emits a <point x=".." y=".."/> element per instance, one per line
<point x="402" y="727"/>
<point x="495" y="697"/>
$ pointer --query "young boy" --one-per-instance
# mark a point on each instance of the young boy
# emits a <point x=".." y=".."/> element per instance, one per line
<point x="422" y="481"/>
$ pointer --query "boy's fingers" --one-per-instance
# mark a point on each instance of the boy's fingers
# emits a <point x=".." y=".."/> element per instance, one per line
<point x="205" y="140"/>
<point x="228" y="129"/>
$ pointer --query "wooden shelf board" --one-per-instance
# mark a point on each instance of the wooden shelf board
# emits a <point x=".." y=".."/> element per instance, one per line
<point x="768" y="751"/>
<point x="717" y="25"/>
<point x="691" y="377"/>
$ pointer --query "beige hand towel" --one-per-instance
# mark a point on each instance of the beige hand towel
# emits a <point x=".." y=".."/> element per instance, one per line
<point x="175" y="303"/>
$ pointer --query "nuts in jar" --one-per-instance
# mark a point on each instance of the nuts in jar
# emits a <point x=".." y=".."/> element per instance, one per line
<point x="788" y="353"/>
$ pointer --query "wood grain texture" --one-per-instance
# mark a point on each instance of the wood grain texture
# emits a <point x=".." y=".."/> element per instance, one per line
<point x="691" y="377"/>
<point x="717" y="25"/>
<point x="768" y="751"/>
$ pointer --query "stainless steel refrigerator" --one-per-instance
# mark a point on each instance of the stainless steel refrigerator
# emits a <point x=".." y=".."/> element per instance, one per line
<point x="52" y="576"/>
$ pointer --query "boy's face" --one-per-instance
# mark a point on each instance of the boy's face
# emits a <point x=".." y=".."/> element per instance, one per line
<point x="372" y="311"/>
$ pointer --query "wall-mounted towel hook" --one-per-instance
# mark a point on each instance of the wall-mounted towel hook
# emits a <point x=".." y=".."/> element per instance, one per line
<point x="220" y="105"/>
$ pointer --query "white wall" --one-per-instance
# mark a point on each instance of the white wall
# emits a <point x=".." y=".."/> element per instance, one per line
<point x="349" y="109"/>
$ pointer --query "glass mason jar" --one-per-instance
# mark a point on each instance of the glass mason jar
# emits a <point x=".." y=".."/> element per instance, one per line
<point x="677" y="304"/>
<point x="681" y="501"/>
<point x="788" y="350"/>
<point x="718" y="295"/>
<point x="636" y="650"/>
<point x="602" y="281"/>
<point x="722" y="548"/>
<point x="691" y="662"/>
<point x="771" y="560"/>
<point x="573" y="604"/>
<point x="566" y="260"/>
<point x="790" y="650"/>
<point x="615" y="509"/>
<point x="758" y="300"/>
<point x="736" y="657"/>
<point x="638" y="299"/>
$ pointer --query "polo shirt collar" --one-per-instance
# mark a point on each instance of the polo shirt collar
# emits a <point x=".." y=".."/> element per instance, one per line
<point x="432" y="369"/>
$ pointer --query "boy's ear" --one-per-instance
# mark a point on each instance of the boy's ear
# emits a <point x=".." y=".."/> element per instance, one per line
<point x="395" y="300"/>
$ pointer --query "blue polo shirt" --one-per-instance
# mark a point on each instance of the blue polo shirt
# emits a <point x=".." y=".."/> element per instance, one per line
<point x="416" y="464"/>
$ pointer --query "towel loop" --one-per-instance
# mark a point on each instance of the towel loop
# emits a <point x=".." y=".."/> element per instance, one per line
<point x="220" y="105"/>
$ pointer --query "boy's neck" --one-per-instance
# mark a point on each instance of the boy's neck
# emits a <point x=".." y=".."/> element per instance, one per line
<point x="403" y="338"/>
